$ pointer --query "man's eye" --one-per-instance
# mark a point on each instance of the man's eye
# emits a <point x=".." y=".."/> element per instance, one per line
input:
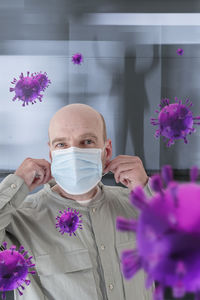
<point x="60" y="144"/>
<point x="88" y="141"/>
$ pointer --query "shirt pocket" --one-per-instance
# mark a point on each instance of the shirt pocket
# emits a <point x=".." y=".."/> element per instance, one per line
<point x="134" y="288"/>
<point x="67" y="275"/>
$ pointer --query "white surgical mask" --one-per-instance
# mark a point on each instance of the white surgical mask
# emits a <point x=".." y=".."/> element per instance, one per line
<point x="77" y="170"/>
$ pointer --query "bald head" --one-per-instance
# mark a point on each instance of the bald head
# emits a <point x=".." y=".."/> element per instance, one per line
<point x="74" y="120"/>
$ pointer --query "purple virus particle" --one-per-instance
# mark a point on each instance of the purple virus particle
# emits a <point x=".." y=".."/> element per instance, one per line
<point x="69" y="221"/>
<point x="180" y="51"/>
<point x="167" y="235"/>
<point x="77" y="58"/>
<point x="14" y="268"/>
<point x="175" y="120"/>
<point x="27" y="89"/>
<point x="43" y="80"/>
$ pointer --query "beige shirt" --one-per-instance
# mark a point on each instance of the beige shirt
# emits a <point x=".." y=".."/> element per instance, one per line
<point x="86" y="202"/>
<point x="85" y="266"/>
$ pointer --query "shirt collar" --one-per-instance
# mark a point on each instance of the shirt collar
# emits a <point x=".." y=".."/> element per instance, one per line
<point x="96" y="201"/>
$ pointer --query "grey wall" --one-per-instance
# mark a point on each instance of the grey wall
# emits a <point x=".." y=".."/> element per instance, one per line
<point x="125" y="73"/>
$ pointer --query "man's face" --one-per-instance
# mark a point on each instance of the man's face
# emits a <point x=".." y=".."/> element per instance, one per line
<point x="79" y="129"/>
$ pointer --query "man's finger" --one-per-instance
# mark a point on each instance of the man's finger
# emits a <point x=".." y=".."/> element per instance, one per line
<point x="123" y="167"/>
<point x="107" y="169"/>
<point x="132" y="163"/>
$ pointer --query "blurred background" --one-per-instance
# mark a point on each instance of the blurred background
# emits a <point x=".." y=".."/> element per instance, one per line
<point x="129" y="64"/>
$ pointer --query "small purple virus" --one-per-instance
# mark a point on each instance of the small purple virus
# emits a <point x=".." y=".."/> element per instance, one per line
<point x="180" y="51"/>
<point x="175" y="120"/>
<point x="167" y="235"/>
<point x="27" y="89"/>
<point x="14" y="268"/>
<point x="77" y="58"/>
<point x="43" y="80"/>
<point x="69" y="221"/>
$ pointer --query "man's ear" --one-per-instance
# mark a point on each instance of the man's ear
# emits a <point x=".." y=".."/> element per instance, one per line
<point x="108" y="152"/>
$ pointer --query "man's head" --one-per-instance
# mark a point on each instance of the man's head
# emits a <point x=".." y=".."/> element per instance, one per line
<point x="79" y="125"/>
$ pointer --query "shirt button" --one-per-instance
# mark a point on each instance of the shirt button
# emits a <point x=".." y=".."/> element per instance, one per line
<point x="13" y="186"/>
<point x="102" y="247"/>
<point x="111" y="286"/>
<point x="94" y="210"/>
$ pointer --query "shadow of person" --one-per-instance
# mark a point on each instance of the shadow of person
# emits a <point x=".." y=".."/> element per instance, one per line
<point x="135" y="96"/>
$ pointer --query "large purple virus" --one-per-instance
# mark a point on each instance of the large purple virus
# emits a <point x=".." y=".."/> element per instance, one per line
<point x="14" y="268"/>
<point x="167" y="235"/>
<point x="29" y="88"/>
<point x="175" y="120"/>
<point x="69" y="221"/>
<point x="77" y="58"/>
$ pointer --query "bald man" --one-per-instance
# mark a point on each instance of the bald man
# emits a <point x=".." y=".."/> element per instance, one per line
<point x="84" y="263"/>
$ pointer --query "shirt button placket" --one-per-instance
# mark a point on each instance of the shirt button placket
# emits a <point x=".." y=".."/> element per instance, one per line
<point x="13" y="186"/>
<point x="111" y="286"/>
<point x="103" y="247"/>
<point x="94" y="210"/>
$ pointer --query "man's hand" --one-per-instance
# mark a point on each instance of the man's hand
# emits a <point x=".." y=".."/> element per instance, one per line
<point x="35" y="172"/>
<point x="128" y="170"/>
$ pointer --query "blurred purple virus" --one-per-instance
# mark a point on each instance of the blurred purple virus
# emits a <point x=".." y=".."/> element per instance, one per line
<point x="69" y="221"/>
<point x="180" y="51"/>
<point x="27" y="89"/>
<point x="43" y="80"/>
<point x="167" y="235"/>
<point x="77" y="58"/>
<point x="175" y="120"/>
<point x="14" y="268"/>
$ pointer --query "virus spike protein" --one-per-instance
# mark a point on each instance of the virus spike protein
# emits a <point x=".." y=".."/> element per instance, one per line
<point x="167" y="237"/>
<point x="14" y="268"/>
<point x="175" y="120"/>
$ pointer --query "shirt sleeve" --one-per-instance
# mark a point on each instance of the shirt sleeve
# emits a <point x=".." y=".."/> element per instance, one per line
<point x="13" y="191"/>
<point x="148" y="190"/>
